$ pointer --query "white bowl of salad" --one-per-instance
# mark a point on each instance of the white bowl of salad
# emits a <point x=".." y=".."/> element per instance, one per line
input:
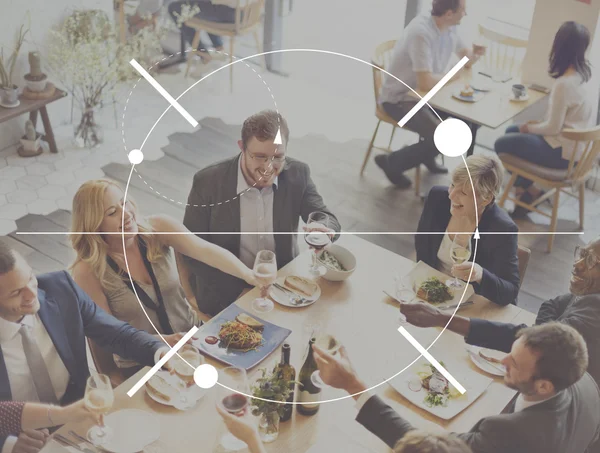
<point x="339" y="262"/>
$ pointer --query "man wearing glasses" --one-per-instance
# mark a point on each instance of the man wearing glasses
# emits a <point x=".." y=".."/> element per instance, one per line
<point x="579" y="309"/>
<point x="260" y="191"/>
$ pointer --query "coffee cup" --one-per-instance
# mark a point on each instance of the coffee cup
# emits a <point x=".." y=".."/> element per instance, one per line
<point x="519" y="90"/>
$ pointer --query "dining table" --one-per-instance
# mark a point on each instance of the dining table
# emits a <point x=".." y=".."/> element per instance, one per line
<point x="366" y="321"/>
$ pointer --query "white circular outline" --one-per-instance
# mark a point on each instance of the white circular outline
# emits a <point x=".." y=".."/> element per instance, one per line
<point x="427" y="348"/>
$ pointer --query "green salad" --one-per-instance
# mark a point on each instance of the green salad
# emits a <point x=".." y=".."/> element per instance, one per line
<point x="331" y="261"/>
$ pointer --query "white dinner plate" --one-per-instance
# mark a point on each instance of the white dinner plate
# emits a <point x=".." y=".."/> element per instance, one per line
<point x="494" y="369"/>
<point x="474" y="383"/>
<point x="192" y="394"/>
<point x="281" y="298"/>
<point x="477" y="96"/>
<point x="132" y="431"/>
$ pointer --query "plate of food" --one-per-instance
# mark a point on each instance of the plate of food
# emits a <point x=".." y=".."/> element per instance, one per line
<point x="169" y="390"/>
<point x="487" y="360"/>
<point x="237" y="338"/>
<point x="429" y="285"/>
<point x="425" y="387"/>
<point x="468" y="94"/>
<point x="294" y="291"/>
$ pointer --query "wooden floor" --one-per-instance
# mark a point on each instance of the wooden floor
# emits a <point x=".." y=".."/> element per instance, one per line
<point x="367" y="204"/>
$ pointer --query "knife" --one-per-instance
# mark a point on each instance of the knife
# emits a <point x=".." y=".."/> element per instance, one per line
<point x="441" y="307"/>
<point x="62" y="439"/>
<point x="487" y="362"/>
<point x="81" y="439"/>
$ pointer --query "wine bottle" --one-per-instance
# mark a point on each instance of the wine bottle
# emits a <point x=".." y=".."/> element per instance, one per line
<point x="287" y="372"/>
<point x="307" y="391"/>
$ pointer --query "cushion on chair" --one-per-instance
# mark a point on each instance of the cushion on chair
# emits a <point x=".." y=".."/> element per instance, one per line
<point x="550" y="174"/>
<point x="199" y="24"/>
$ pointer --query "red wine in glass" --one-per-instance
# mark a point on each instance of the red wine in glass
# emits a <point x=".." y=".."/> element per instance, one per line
<point x="317" y="240"/>
<point x="234" y="403"/>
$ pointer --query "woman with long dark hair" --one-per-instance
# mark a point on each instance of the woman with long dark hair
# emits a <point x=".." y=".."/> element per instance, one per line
<point x="570" y="106"/>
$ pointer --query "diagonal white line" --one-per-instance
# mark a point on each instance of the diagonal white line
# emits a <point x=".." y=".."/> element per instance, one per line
<point x="432" y="360"/>
<point x="162" y="361"/>
<point x="433" y="91"/>
<point x="163" y="92"/>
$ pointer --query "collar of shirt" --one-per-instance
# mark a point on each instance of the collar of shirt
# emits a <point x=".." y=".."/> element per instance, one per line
<point x="242" y="184"/>
<point x="521" y="403"/>
<point x="9" y="329"/>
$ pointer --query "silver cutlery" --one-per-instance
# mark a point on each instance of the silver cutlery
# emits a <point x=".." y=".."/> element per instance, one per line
<point x="295" y="298"/>
<point x="453" y="306"/>
<point x="62" y="439"/>
<point x="81" y="439"/>
<point x="483" y="361"/>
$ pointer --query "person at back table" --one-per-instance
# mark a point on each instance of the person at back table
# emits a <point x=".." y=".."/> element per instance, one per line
<point x="450" y="210"/>
<point x="420" y="60"/>
<point x="44" y="322"/>
<point x="556" y="410"/>
<point x="101" y="270"/>
<point x="258" y="191"/>
<point x="571" y="106"/>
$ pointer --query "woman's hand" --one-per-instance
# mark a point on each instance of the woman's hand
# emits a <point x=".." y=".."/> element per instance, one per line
<point x="524" y="128"/>
<point x="76" y="412"/>
<point x="243" y="427"/>
<point x="463" y="271"/>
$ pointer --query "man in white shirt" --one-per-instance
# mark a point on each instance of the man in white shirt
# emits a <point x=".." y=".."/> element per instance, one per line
<point x="43" y="324"/>
<point x="557" y="397"/>
<point x="420" y="59"/>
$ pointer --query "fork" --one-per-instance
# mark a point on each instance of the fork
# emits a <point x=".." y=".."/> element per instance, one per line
<point x="294" y="298"/>
<point x="453" y="306"/>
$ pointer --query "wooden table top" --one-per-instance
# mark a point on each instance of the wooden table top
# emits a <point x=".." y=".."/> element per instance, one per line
<point x="28" y="105"/>
<point x="366" y="322"/>
<point x="492" y="111"/>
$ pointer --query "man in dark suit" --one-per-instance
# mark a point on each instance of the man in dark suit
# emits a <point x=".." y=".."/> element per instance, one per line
<point x="556" y="410"/>
<point x="43" y="325"/>
<point x="259" y="191"/>
<point x="579" y="309"/>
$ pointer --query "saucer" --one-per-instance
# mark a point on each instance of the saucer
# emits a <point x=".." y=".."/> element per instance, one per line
<point x="521" y="99"/>
<point x="10" y="106"/>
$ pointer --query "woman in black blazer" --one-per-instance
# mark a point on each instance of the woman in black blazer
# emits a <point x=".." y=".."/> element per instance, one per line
<point x="452" y="209"/>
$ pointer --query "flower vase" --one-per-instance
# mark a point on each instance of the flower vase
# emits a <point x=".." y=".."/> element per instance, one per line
<point x="88" y="133"/>
<point x="268" y="426"/>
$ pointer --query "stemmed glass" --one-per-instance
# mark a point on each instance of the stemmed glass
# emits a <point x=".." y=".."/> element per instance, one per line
<point x="459" y="253"/>
<point x="99" y="399"/>
<point x="232" y="398"/>
<point x="188" y="355"/>
<point x="317" y="240"/>
<point x="329" y="344"/>
<point x="265" y="271"/>
<point x="405" y="293"/>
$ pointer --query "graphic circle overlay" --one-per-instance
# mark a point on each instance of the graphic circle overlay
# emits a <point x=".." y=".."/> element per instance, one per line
<point x="452" y="137"/>
<point x="206" y="376"/>
<point x="444" y="133"/>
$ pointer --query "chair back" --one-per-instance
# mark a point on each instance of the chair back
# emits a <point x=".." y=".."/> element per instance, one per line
<point x="504" y="54"/>
<point x="523" y="253"/>
<point x="247" y="14"/>
<point x="590" y="139"/>
<point x="381" y="60"/>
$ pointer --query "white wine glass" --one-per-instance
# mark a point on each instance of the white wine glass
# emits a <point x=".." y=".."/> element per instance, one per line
<point x="327" y="343"/>
<point x="185" y="362"/>
<point x="317" y="240"/>
<point x="99" y="399"/>
<point x="460" y="252"/>
<point x="265" y="271"/>
<point x="405" y="293"/>
<point x="232" y="398"/>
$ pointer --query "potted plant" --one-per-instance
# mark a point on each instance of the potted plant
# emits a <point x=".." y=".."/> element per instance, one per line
<point x="30" y="141"/>
<point x="8" y="90"/>
<point x="270" y="387"/>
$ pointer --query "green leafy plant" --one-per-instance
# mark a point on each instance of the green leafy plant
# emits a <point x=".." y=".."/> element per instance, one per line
<point x="7" y="64"/>
<point x="270" y="387"/>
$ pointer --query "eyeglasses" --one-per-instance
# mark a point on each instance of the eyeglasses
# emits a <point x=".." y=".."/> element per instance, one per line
<point x="264" y="159"/>
<point x="591" y="259"/>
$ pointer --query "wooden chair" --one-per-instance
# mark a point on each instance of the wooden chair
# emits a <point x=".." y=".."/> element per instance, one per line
<point x="523" y="253"/>
<point x="247" y="19"/>
<point x="104" y="363"/>
<point x="381" y="60"/>
<point x="504" y="53"/>
<point x="574" y="177"/>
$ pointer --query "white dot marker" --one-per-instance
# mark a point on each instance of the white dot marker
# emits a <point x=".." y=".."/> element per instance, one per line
<point x="206" y="376"/>
<point x="452" y="137"/>
<point x="135" y="156"/>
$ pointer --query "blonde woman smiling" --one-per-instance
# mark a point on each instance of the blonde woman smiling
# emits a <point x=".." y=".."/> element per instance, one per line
<point x="100" y="268"/>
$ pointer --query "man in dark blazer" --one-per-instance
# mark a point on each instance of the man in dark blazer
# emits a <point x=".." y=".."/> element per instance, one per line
<point x="259" y="191"/>
<point x="556" y="410"/>
<point x="43" y="325"/>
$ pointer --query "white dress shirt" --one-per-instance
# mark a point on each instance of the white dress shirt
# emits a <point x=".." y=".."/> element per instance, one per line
<point x="256" y="215"/>
<point x="19" y="375"/>
<point x="521" y="404"/>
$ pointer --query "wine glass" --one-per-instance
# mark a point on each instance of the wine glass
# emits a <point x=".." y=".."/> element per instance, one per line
<point x="329" y="344"/>
<point x="232" y="398"/>
<point x="317" y="240"/>
<point x="99" y="399"/>
<point x="460" y="251"/>
<point x="188" y="355"/>
<point x="405" y="293"/>
<point x="265" y="271"/>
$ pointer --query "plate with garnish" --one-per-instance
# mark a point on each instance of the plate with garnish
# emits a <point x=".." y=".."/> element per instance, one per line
<point x="429" y="286"/>
<point x="294" y="291"/>
<point x="468" y="94"/>
<point x="487" y="360"/>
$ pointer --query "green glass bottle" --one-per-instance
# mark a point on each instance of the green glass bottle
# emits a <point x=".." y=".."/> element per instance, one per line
<point x="287" y="372"/>
<point x="308" y="393"/>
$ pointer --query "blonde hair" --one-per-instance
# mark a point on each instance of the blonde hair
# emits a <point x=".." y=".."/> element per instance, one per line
<point x="88" y="214"/>
<point x="417" y="441"/>
<point x="486" y="172"/>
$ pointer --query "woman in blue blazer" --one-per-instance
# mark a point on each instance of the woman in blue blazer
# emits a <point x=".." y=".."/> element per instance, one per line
<point x="454" y="209"/>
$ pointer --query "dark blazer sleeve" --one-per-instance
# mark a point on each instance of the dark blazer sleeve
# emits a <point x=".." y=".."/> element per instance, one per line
<point x="109" y="333"/>
<point x="383" y="421"/>
<point x="495" y="435"/>
<point x="493" y="335"/>
<point x="552" y="309"/>
<point x="312" y="201"/>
